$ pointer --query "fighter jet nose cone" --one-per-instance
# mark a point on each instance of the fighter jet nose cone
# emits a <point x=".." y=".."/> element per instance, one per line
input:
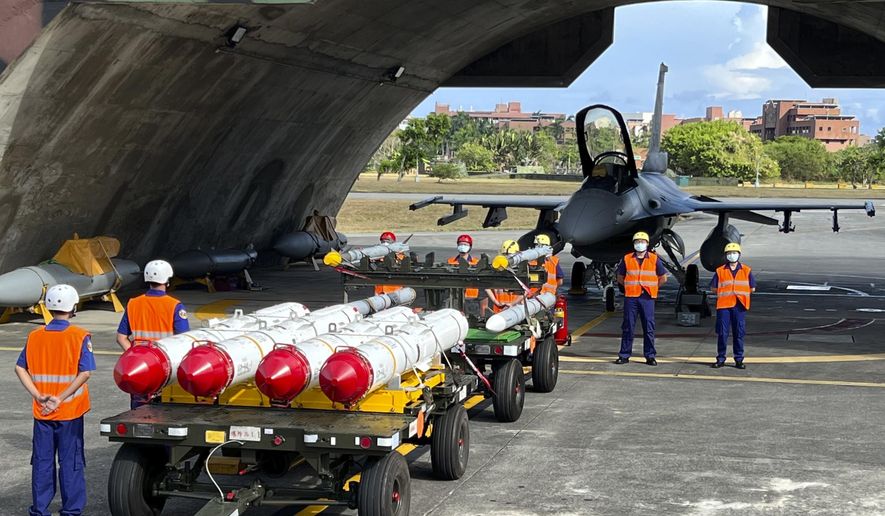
<point x="141" y="370"/>
<point x="282" y="374"/>
<point x="345" y="377"/>
<point x="205" y="371"/>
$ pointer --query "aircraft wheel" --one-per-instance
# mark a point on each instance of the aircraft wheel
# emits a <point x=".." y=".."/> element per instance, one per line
<point x="579" y="274"/>
<point x="509" y="385"/>
<point x="609" y="298"/>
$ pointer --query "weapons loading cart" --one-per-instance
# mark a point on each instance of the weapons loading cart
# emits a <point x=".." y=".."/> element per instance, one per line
<point x="501" y="359"/>
<point x="309" y="452"/>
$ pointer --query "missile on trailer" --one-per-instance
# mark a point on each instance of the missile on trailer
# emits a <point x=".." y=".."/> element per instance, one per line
<point x="517" y="313"/>
<point x="208" y="370"/>
<point x="334" y="258"/>
<point x="350" y="374"/>
<point x="502" y="262"/>
<point x="145" y="369"/>
<point x="305" y="244"/>
<point x="289" y="370"/>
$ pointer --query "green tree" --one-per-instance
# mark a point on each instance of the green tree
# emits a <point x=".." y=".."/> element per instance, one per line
<point x="422" y="139"/>
<point x="388" y="157"/>
<point x="800" y="159"/>
<point x="717" y="149"/>
<point x="879" y="139"/>
<point x="860" y="166"/>
<point x="448" y="170"/>
<point x="476" y="157"/>
<point x="567" y="157"/>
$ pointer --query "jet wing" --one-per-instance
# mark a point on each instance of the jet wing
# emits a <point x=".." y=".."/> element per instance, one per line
<point x="744" y="209"/>
<point x="496" y="205"/>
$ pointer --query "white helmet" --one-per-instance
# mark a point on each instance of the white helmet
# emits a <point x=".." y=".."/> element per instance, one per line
<point x="61" y="298"/>
<point x="158" y="271"/>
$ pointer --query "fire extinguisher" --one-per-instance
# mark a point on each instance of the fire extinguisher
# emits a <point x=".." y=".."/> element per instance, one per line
<point x="560" y="312"/>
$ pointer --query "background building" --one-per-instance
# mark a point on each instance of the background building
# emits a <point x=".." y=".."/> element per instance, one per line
<point x="821" y="121"/>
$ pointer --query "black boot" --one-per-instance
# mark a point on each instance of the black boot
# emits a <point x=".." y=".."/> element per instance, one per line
<point x="740" y="365"/>
<point x="717" y="365"/>
<point x="622" y="360"/>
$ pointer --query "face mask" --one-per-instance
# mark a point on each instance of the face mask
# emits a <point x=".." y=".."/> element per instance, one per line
<point x="463" y="248"/>
<point x="732" y="257"/>
<point x="640" y="247"/>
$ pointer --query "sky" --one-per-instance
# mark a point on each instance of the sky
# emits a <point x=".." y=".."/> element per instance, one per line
<point x="716" y="53"/>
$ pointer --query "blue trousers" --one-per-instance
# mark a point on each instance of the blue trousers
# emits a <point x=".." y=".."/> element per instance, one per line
<point x="731" y="320"/>
<point x="644" y="309"/>
<point x="136" y="400"/>
<point x="65" y="439"/>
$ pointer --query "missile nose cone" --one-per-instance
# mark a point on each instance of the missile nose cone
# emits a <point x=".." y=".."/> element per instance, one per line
<point x="142" y="370"/>
<point x="205" y="371"/>
<point x="345" y="377"/>
<point x="282" y="374"/>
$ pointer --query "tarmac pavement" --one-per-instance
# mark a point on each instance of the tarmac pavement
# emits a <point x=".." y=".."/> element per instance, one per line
<point x="797" y="432"/>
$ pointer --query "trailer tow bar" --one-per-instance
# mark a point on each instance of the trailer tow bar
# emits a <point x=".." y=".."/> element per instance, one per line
<point x="235" y="502"/>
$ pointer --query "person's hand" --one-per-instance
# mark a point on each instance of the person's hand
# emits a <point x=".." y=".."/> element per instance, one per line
<point x="50" y="405"/>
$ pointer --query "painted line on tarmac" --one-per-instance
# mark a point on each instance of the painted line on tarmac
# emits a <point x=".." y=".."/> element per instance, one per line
<point x="752" y="379"/>
<point x="403" y="449"/>
<point x="592" y="324"/>
<point x="802" y="359"/>
<point x="215" y="309"/>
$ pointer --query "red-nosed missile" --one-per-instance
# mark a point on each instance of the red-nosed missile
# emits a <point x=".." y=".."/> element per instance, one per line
<point x="205" y="371"/>
<point x="144" y="369"/>
<point x="288" y="370"/>
<point x="349" y="375"/>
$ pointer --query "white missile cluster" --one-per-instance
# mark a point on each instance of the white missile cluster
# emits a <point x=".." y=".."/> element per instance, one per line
<point x="502" y="262"/>
<point x="375" y="252"/>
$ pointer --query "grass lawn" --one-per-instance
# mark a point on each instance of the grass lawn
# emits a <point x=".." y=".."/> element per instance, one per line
<point x="363" y="216"/>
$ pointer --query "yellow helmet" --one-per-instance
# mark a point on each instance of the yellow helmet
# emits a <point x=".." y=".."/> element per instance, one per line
<point x="641" y="235"/>
<point x="509" y="247"/>
<point x="542" y="239"/>
<point x="730" y="247"/>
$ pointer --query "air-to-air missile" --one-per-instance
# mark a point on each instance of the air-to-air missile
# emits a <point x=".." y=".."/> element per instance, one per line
<point x="208" y="370"/>
<point x="350" y="374"/>
<point x="335" y="258"/>
<point x="145" y="369"/>
<point x="302" y="245"/>
<point x="517" y="313"/>
<point x="290" y="369"/>
<point x="502" y="262"/>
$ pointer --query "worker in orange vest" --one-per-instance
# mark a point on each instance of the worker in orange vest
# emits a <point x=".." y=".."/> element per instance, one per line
<point x="551" y="265"/>
<point x="54" y="367"/>
<point x="388" y="238"/>
<point x="153" y="315"/>
<point x="733" y="282"/>
<point x="465" y="244"/>
<point x="504" y="299"/>
<point x="641" y="273"/>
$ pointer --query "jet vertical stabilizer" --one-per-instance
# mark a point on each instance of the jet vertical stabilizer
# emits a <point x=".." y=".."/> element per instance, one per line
<point x="656" y="161"/>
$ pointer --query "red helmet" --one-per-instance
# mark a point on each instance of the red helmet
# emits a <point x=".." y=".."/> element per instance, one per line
<point x="465" y="238"/>
<point x="387" y="235"/>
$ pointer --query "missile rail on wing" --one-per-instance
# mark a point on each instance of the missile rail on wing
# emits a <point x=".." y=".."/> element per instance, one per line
<point x="500" y="359"/>
<point x="309" y="451"/>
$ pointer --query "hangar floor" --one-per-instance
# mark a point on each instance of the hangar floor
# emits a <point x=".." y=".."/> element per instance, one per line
<point x="797" y="432"/>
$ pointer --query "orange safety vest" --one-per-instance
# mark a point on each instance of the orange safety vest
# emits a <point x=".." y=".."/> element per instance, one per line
<point x="734" y="288"/>
<point x="469" y="293"/>
<point x="53" y="362"/>
<point x="387" y="289"/>
<point x="641" y="277"/>
<point x="550" y="284"/>
<point x="505" y="297"/>
<point x="151" y="317"/>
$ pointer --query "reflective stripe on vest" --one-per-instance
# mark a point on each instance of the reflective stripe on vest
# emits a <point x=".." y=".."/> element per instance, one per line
<point x="469" y="293"/>
<point x="732" y="289"/>
<point x="53" y="362"/>
<point x="641" y="277"/>
<point x="386" y="289"/>
<point x="151" y="317"/>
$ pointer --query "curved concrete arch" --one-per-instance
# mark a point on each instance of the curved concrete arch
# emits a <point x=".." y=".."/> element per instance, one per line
<point x="137" y="120"/>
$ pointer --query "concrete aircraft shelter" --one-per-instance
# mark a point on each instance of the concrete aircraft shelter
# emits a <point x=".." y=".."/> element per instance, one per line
<point x="138" y="120"/>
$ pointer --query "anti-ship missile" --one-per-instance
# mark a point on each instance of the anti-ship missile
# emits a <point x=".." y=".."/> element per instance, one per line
<point x="516" y="313"/>
<point x="145" y="369"/>
<point x="305" y="244"/>
<point x="25" y="286"/>
<point x="288" y="370"/>
<point x="502" y="262"/>
<point x="350" y="374"/>
<point x="375" y="252"/>
<point x="209" y="369"/>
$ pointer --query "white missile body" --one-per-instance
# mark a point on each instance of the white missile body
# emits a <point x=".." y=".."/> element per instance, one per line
<point x="517" y="313"/>
<point x="351" y="374"/>
<point x="506" y="261"/>
<point x="375" y="252"/>
<point x="208" y="370"/>
<point x="292" y="368"/>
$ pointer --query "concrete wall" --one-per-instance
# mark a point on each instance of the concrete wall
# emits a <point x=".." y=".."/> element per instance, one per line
<point x="135" y="120"/>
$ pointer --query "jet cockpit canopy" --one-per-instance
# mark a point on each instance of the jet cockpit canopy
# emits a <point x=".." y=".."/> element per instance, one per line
<point x="605" y="150"/>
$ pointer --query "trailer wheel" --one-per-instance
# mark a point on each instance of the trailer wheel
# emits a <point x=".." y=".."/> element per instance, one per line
<point x="385" y="487"/>
<point x="450" y="444"/>
<point x="545" y="366"/>
<point x="509" y="385"/>
<point x="133" y="473"/>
